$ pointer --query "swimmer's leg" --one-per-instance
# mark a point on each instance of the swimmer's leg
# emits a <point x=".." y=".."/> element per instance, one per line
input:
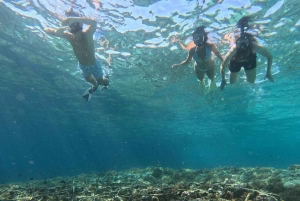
<point x="92" y="80"/>
<point x="87" y="95"/>
<point x="251" y="75"/>
<point x="202" y="87"/>
<point x="212" y="86"/>
<point x="233" y="77"/>
<point x="104" y="82"/>
<point x="211" y="75"/>
<point x="200" y="76"/>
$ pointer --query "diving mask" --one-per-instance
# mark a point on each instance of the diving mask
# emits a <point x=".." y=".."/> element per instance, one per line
<point x="243" y="43"/>
<point x="199" y="37"/>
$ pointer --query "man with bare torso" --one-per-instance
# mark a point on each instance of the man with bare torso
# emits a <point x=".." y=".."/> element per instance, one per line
<point x="84" y="50"/>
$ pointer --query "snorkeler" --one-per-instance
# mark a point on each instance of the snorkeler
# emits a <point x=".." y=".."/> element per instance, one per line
<point x="84" y="50"/>
<point x="243" y="54"/>
<point x="202" y="54"/>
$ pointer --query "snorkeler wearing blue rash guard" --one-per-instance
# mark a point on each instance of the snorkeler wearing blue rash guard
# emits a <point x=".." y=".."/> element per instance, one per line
<point x="84" y="50"/>
<point x="203" y="55"/>
<point x="243" y="54"/>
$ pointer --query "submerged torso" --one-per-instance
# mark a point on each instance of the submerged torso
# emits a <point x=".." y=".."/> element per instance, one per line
<point x="83" y="48"/>
<point x="203" y="56"/>
<point x="244" y="56"/>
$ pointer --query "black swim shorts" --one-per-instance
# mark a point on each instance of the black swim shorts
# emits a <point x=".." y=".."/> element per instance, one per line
<point x="235" y="66"/>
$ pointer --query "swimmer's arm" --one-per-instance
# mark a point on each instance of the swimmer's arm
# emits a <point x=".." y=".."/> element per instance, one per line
<point x="188" y="47"/>
<point x="188" y="59"/>
<point x="215" y="50"/>
<point x="224" y="64"/>
<point x="91" y="22"/>
<point x="182" y="46"/>
<point x="257" y="48"/>
<point x="226" y="60"/>
<point x="60" y="32"/>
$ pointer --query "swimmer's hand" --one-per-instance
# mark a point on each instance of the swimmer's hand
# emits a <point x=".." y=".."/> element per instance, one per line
<point x="269" y="76"/>
<point x="223" y="84"/>
<point x="61" y="30"/>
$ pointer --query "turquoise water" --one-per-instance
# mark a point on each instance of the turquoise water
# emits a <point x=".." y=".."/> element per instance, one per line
<point x="151" y="115"/>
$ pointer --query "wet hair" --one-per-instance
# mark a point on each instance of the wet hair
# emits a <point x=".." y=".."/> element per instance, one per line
<point x="75" y="27"/>
<point x="243" y="23"/>
<point x="200" y="36"/>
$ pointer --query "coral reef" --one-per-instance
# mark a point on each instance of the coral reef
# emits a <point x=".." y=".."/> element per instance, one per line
<point x="291" y="193"/>
<point x="164" y="184"/>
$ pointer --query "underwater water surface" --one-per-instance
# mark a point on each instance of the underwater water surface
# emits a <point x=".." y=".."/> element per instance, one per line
<point x="151" y="115"/>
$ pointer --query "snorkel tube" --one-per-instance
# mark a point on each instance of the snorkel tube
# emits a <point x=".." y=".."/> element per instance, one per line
<point x="242" y="23"/>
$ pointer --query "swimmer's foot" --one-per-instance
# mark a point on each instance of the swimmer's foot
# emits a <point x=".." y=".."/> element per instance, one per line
<point x="202" y="88"/>
<point x="106" y="85"/>
<point x="87" y="95"/>
<point x="212" y="86"/>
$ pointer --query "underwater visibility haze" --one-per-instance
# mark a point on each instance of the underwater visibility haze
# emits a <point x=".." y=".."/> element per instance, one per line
<point x="151" y="115"/>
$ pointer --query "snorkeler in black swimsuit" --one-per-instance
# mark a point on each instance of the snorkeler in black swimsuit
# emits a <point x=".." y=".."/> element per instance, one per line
<point x="243" y="54"/>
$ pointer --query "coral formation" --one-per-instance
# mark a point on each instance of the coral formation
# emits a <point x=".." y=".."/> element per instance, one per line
<point x="275" y="185"/>
<point x="291" y="193"/>
<point x="164" y="184"/>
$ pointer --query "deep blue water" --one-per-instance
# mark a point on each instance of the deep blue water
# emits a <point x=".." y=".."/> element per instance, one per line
<point x="48" y="130"/>
<point x="46" y="136"/>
